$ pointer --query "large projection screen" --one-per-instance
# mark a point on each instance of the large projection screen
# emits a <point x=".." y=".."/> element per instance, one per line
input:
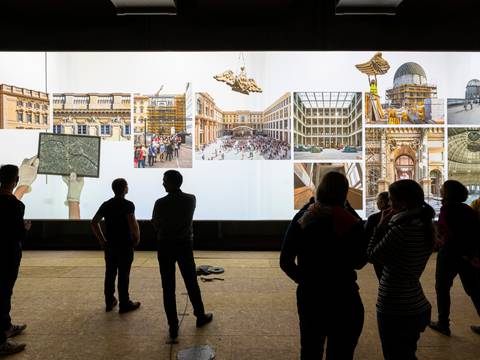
<point x="252" y="132"/>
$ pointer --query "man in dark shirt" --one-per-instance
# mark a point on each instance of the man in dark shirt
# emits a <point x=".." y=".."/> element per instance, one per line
<point x="122" y="236"/>
<point x="173" y="219"/>
<point x="14" y="229"/>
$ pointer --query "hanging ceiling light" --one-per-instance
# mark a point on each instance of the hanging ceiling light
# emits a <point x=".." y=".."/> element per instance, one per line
<point x="239" y="82"/>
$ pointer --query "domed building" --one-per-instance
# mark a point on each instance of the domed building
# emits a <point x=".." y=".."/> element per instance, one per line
<point x="410" y="86"/>
<point x="464" y="157"/>
<point x="472" y="91"/>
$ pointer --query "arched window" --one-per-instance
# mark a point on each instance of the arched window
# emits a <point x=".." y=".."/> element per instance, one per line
<point x="404" y="168"/>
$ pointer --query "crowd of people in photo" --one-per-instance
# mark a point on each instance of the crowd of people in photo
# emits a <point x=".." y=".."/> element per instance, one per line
<point x="324" y="247"/>
<point x="246" y="148"/>
<point x="160" y="149"/>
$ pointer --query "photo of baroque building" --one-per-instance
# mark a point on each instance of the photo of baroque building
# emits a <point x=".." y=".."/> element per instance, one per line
<point x="242" y="134"/>
<point x="327" y="125"/>
<point x="464" y="158"/>
<point x="105" y="115"/>
<point x="22" y="108"/>
<point x="404" y="153"/>
<point x="307" y="176"/>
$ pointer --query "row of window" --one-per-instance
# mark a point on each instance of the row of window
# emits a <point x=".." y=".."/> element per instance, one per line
<point x="81" y="129"/>
<point x="32" y="105"/>
<point x="30" y="118"/>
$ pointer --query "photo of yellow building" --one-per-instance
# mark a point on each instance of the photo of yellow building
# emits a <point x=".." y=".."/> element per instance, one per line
<point x="22" y="108"/>
<point x="242" y="134"/>
<point x="105" y="115"/>
<point x="404" y="153"/>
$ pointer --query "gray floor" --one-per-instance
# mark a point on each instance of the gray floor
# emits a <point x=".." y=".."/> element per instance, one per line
<point x="59" y="296"/>
<point x="458" y="116"/>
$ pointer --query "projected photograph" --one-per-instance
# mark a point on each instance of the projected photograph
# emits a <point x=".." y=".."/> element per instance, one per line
<point x="22" y="108"/>
<point x="393" y="154"/>
<point x="465" y="111"/>
<point x="327" y="125"/>
<point x="307" y="176"/>
<point x="104" y="115"/>
<point x="163" y="130"/>
<point x="411" y="98"/>
<point x="464" y="158"/>
<point x="66" y="154"/>
<point x="232" y="134"/>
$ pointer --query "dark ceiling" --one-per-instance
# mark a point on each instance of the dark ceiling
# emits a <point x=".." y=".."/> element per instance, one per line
<point x="237" y="24"/>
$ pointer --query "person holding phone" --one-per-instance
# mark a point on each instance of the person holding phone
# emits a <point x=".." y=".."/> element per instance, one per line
<point x="122" y="236"/>
<point x="14" y="229"/>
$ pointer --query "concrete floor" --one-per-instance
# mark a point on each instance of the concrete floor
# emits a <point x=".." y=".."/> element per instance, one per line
<point x="327" y="154"/>
<point x="458" y="116"/>
<point x="59" y="296"/>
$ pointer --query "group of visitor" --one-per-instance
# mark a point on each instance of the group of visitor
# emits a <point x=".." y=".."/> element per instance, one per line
<point x="327" y="242"/>
<point x="161" y="149"/>
<point x="246" y="148"/>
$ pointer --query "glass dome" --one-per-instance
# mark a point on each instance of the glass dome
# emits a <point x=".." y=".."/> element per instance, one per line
<point x="409" y="73"/>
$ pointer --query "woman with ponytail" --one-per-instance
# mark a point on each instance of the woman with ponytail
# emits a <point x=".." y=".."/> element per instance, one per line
<point x="402" y="243"/>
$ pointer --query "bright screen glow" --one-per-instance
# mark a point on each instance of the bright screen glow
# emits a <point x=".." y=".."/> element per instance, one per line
<point x="252" y="132"/>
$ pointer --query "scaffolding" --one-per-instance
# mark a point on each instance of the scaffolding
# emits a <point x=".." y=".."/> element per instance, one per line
<point x="373" y="162"/>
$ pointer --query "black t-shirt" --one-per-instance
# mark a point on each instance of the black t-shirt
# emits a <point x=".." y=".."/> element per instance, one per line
<point x="12" y="226"/>
<point x="115" y="212"/>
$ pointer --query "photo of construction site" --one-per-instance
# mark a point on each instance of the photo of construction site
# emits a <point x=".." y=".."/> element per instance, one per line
<point x="465" y="111"/>
<point x="307" y="176"/>
<point x="411" y="99"/>
<point x="416" y="153"/>
<point x="464" y="159"/>
<point x="222" y="134"/>
<point x="327" y="125"/>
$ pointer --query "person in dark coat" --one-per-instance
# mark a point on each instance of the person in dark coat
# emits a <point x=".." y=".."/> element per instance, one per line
<point x="322" y="248"/>
<point x="373" y="221"/>
<point x="458" y="226"/>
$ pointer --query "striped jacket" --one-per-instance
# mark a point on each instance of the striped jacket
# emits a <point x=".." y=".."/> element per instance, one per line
<point x="401" y="246"/>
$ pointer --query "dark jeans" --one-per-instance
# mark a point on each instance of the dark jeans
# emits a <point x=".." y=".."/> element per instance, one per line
<point x="449" y="265"/>
<point x="400" y="334"/>
<point x="150" y="160"/>
<point x="8" y="275"/>
<point x="339" y="321"/>
<point x="167" y="257"/>
<point x="117" y="261"/>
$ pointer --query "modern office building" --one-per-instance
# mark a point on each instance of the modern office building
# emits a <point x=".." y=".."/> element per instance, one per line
<point x="327" y="119"/>
<point x="22" y="108"/>
<point x="105" y="115"/>
<point x="404" y="153"/>
<point x="307" y="176"/>
<point x="211" y="122"/>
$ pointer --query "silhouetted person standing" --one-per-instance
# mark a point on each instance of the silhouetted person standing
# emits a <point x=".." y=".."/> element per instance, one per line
<point x="173" y="219"/>
<point x="326" y="238"/>
<point x="122" y="236"/>
<point x="373" y="221"/>
<point x="13" y="229"/>
<point x="402" y="243"/>
<point x="458" y="226"/>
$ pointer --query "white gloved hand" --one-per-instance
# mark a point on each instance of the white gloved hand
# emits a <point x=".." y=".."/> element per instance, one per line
<point x="75" y="186"/>
<point x="28" y="172"/>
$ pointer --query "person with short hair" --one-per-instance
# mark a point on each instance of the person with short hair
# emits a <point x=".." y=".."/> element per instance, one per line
<point x="122" y="236"/>
<point x="14" y="229"/>
<point x="172" y="218"/>
<point x="402" y="242"/>
<point x="458" y="226"/>
<point x="373" y="221"/>
<point x="322" y="249"/>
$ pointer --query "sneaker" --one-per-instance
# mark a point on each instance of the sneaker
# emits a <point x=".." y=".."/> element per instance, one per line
<point x="173" y="331"/>
<point x="475" y="329"/>
<point x="130" y="306"/>
<point x="15" y="330"/>
<point x="109" y="307"/>
<point x="204" y="319"/>
<point x="11" y="347"/>
<point x="442" y="329"/>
